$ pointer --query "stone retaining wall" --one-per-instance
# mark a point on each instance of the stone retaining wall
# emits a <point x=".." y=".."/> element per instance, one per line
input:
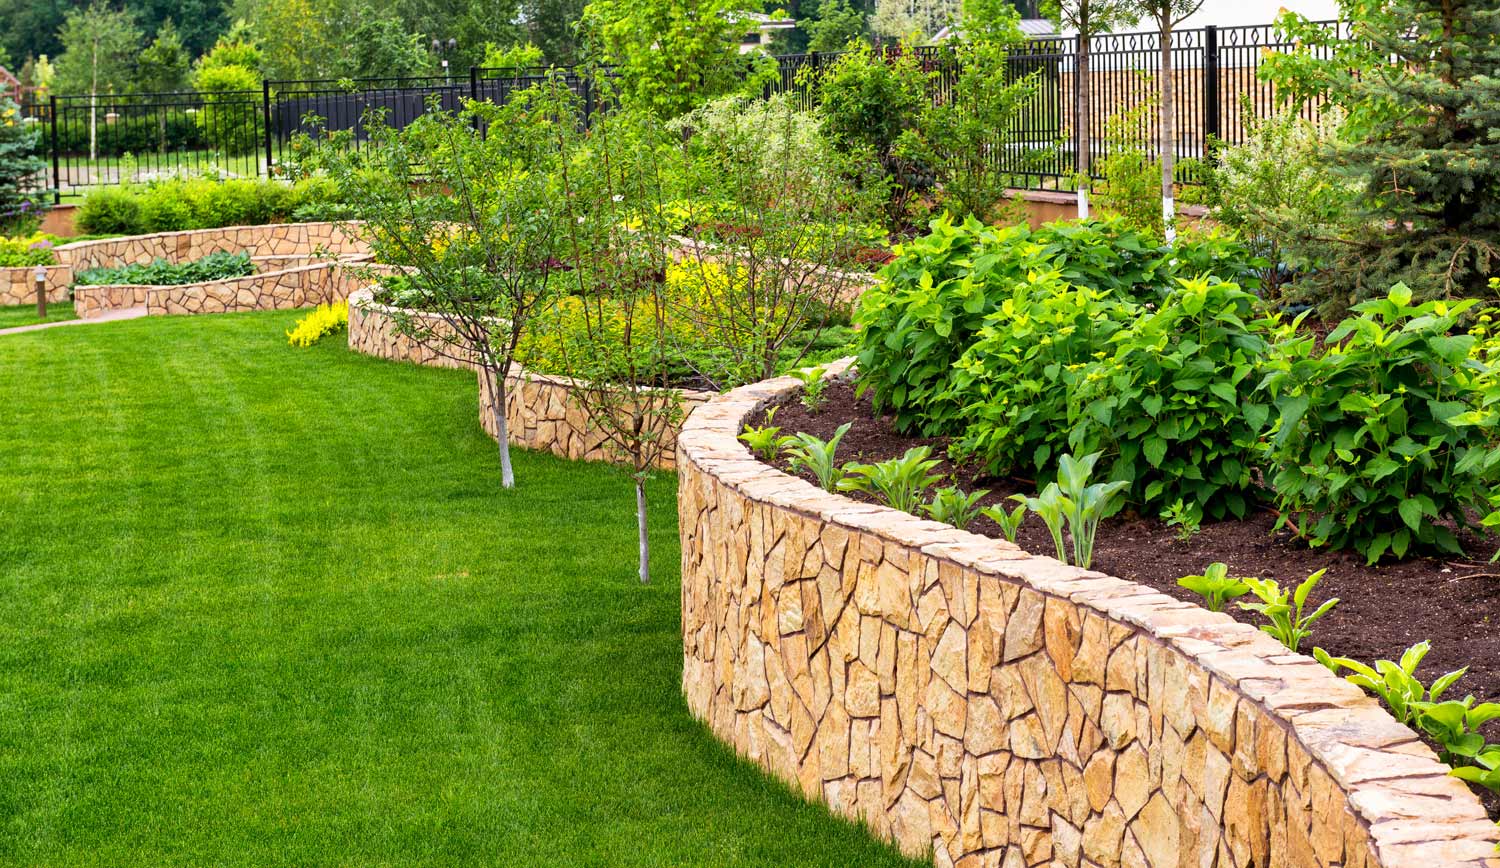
<point x="541" y="411"/>
<point x="18" y="285"/>
<point x="276" y="239"/>
<point x="292" y="282"/>
<point x="1009" y="711"/>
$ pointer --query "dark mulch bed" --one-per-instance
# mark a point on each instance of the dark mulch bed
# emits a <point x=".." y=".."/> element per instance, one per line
<point x="1382" y="610"/>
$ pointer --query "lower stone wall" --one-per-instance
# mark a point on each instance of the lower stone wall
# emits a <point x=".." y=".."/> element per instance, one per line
<point x="1008" y="711"/>
<point x="542" y="412"/>
<point x="18" y="285"/>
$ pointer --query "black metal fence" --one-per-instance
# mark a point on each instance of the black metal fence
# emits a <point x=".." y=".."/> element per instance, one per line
<point x="99" y="140"/>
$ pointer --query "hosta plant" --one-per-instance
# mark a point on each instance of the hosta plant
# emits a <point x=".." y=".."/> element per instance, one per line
<point x="1455" y="725"/>
<point x="1008" y="522"/>
<point x="1285" y="610"/>
<point x="1084" y="503"/>
<point x="1215" y="586"/>
<point x="814" y="454"/>
<point x="952" y="505"/>
<point x="899" y="482"/>
<point x="1384" y="438"/>
<point x="765" y="440"/>
<point x="814" y="385"/>
<point x="1396" y="683"/>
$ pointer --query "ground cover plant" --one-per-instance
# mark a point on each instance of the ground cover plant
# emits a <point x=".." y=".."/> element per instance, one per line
<point x="291" y="622"/>
<point x="222" y="265"/>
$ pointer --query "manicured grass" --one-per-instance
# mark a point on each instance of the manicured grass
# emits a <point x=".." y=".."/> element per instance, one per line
<point x="25" y="314"/>
<point x="266" y="606"/>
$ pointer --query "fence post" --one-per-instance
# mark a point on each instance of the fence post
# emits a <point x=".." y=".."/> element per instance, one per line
<point x="56" y="157"/>
<point x="474" y="83"/>
<point x="265" y="101"/>
<point x="1211" y="128"/>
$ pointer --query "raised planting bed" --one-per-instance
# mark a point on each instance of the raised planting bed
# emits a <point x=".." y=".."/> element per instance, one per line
<point x="999" y="708"/>
<point x="1382" y="609"/>
<point x="278" y="282"/>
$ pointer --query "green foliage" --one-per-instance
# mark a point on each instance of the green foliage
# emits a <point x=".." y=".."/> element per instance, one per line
<point x="1396" y="684"/>
<point x="816" y="455"/>
<point x="1284" y="610"/>
<point x="1455" y="725"/>
<point x="1175" y="402"/>
<point x="21" y="164"/>
<point x="100" y="46"/>
<point x="899" y="482"/>
<point x="670" y="55"/>
<point x="814" y="384"/>
<point x="838" y="24"/>
<point x="953" y="506"/>
<point x="1132" y="180"/>
<point x="522" y="55"/>
<point x="1215" y="586"/>
<point x="1084" y="503"/>
<point x="957" y="139"/>
<point x="1009" y="522"/>
<point x="1049" y="506"/>
<point x="204" y="202"/>
<point x="1187" y="518"/>
<point x="163" y="65"/>
<point x="765" y="440"/>
<point x="27" y="250"/>
<point x="160" y="272"/>
<point x="231" y="117"/>
<point x="1386" y="431"/>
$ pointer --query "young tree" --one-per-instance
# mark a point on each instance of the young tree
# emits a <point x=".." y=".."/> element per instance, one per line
<point x="610" y="333"/>
<point x="383" y="47"/>
<point x="99" y="54"/>
<point x="671" y="55"/>
<point x="226" y="77"/>
<point x="838" y="23"/>
<point x="469" y="208"/>
<point x="1420" y="145"/>
<point x="1089" y="18"/>
<point x="917" y="21"/>
<point x="1167" y="14"/>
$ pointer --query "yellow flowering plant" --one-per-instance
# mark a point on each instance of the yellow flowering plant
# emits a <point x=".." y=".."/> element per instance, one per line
<point x="324" y="320"/>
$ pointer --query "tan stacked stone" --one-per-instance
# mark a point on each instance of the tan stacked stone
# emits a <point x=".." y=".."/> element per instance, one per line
<point x="291" y="282"/>
<point x="542" y="412"/>
<point x="18" y="285"/>
<point x="277" y="239"/>
<point x="1004" y="710"/>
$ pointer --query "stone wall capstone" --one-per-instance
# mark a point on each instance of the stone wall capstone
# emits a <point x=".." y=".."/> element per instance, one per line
<point x="1008" y="711"/>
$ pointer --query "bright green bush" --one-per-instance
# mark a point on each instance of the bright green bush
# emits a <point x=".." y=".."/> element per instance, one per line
<point x="27" y="250"/>
<point x="205" y="202"/>
<point x="160" y="272"/>
<point x="1385" y="434"/>
<point x="933" y="300"/>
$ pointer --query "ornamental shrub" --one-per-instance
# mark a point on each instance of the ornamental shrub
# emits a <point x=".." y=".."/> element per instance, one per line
<point x="28" y="250"/>
<point x="325" y="319"/>
<point x="1384" y="435"/>
<point x="110" y="211"/>
<point x="206" y="202"/>
<point x="933" y="299"/>
<point x="21" y="164"/>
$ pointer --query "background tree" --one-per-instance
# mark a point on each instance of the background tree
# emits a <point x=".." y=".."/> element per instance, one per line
<point x="300" y="38"/>
<point x="21" y="163"/>
<point x="1421" y="146"/>
<point x="839" y="23"/>
<point x="228" y="77"/>
<point x="100" y="45"/>
<point x="671" y="55"/>
<point x="1088" y="18"/>
<point x="1167" y="14"/>
<point x="917" y="21"/>
<point x="383" y="47"/>
<point x="164" y="64"/>
<point x="552" y="25"/>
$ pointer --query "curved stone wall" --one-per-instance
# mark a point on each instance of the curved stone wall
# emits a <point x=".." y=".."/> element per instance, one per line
<point x="275" y="239"/>
<point x="541" y="411"/>
<point x="1008" y="711"/>
<point x="283" y="282"/>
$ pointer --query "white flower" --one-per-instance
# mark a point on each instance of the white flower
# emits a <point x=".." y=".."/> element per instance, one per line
<point x="619" y="198"/>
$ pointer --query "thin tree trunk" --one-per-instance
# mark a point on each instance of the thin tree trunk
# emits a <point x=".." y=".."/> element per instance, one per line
<point x="1082" y="121"/>
<point x="497" y="389"/>
<point x="1168" y="133"/>
<point x="640" y="518"/>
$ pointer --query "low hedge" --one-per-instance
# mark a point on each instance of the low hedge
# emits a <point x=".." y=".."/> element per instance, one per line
<point x="177" y="204"/>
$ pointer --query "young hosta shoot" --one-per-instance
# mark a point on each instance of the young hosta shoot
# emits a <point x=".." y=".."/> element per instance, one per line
<point x="1455" y="725"/>
<point x="813" y="387"/>
<point x="766" y="440"/>
<point x="1285" y="611"/>
<point x="1485" y="772"/>
<point x="1395" y="683"/>
<point x="807" y="452"/>
<point x="900" y="482"/>
<point x="1084" y="503"/>
<point x="1215" y="586"/>
<point x="1009" y="522"/>
<point x="952" y="506"/>
<point x="1050" y="506"/>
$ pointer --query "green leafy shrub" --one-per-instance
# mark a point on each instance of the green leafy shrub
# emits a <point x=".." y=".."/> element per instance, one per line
<point x="942" y="288"/>
<point x="160" y="272"/>
<point x="110" y="211"/>
<point x="28" y="250"/>
<point x="1385" y="434"/>
<point x="206" y="202"/>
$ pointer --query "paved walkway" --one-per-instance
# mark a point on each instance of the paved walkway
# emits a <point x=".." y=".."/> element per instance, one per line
<point x="108" y="316"/>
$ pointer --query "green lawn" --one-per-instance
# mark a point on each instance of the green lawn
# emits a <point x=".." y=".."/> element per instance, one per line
<point x="25" y="314"/>
<point x="266" y="606"/>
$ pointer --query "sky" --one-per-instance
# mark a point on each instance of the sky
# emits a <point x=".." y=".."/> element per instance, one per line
<point x="1229" y="13"/>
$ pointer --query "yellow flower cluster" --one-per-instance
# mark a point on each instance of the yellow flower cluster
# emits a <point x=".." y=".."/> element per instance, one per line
<point x="324" y="320"/>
